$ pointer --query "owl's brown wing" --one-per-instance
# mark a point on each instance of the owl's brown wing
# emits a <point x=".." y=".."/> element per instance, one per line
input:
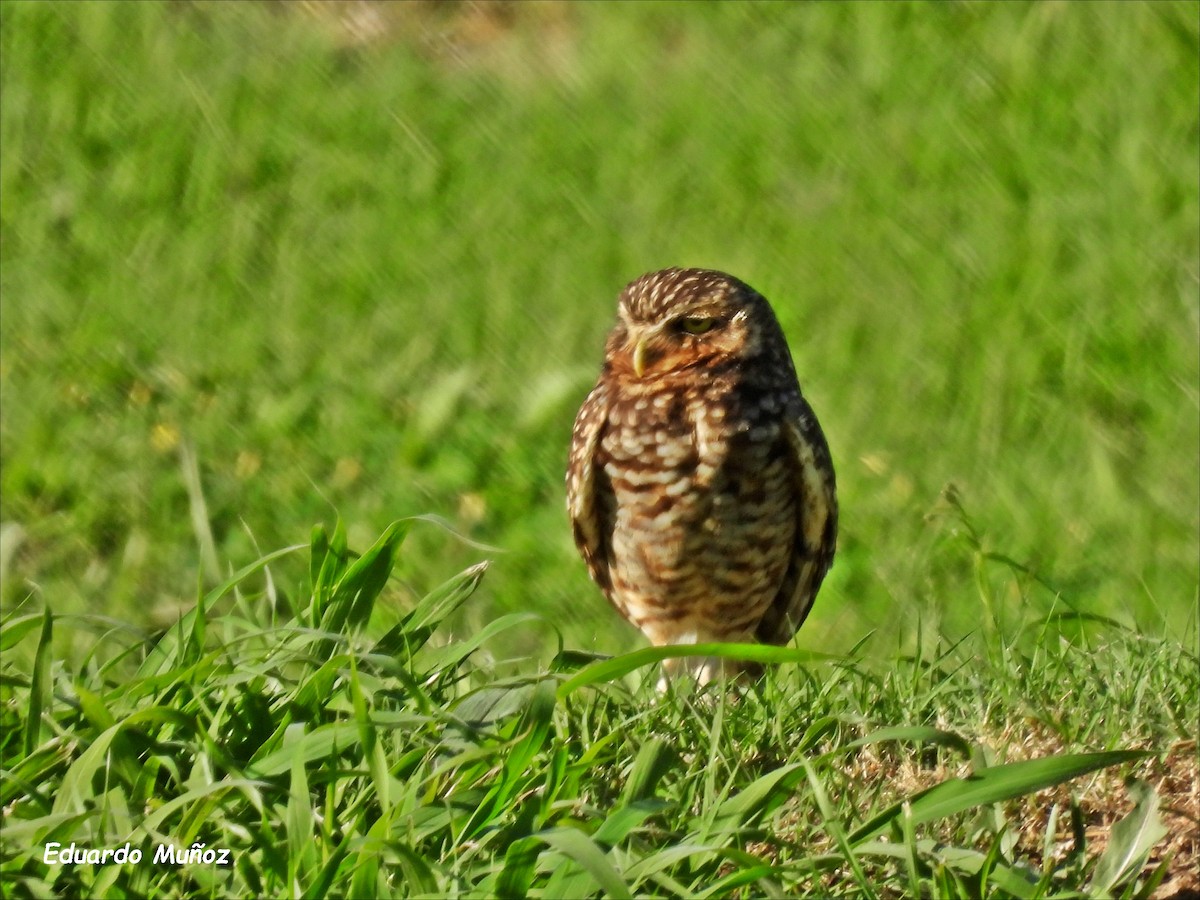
<point x="816" y="527"/>
<point x="590" y="510"/>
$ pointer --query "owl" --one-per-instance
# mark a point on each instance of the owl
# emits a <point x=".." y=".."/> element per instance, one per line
<point x="700" y="487"/>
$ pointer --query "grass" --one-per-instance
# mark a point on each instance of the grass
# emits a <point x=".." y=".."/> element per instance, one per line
<point x="258" y="265"/>
<point x="327" y="759"/>
<point x="377" y="280"/>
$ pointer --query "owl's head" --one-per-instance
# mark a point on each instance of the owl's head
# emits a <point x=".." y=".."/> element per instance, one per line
<point x="687" y="319"/>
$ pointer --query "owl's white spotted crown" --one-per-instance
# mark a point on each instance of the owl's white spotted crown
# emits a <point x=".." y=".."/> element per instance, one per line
<point x="649" y="297"/>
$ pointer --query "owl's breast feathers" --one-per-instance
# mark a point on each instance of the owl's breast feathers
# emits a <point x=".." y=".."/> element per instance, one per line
<point x="692" y="505"/>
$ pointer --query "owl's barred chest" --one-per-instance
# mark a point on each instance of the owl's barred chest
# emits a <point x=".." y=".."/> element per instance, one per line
<point x="680" y="459"/>
<point x="700" y="508"/>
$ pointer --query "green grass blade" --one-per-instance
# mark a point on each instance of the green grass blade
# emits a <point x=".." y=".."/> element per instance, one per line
<point x="299" y="818"/>
<point x="520" y="861"/>
<point x="654" y="760"/>
<point x="445" y="599"/>
<point x="409" y="635"/>
<point x="312" y="693"/>
<point x="624" y="819"/>
<point x="918" y="734"/>
<point x="41" y="694"/>
<point x="962" y="860"/>
<point x="760" y="796"/>
<point x="1130" y="841"/>
<point x="94" y="709"/>
<point x="76" y="787"/>
<point x="321" y="742"/>
<point x="993" y="785"/>
<point x="577" y="846"/>
<point x="535" y="723"/>
<point x="248" y="788"/>
<point x="534" y="729"/>
<point x="365" y="880"/>
<point x="318" y="549"/>
<point x="166" y="653"/>
<point x="419" y="876"/>
<point x="354" y="595"/>
<point x="912" y="860"/>
<point x="834" y="826"/>
<point x="973" y="864"/>
<point x="449" y="656"/>
<point x="75" y="791"/>
<point x="757" y="875"/>
<point x="14" y="628"/>
<point x="672" y="855"/>
<point x="322" y="886"/>
<point x="329" y="557"/>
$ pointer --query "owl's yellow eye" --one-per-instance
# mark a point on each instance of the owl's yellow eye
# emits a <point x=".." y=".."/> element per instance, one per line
<point x="696" y="325"/>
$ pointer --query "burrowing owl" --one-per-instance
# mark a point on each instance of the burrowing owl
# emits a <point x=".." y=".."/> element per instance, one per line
<point x="700" y="486"/>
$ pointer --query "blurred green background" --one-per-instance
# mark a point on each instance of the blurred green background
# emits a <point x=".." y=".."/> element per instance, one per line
<point x="362" y="258"/>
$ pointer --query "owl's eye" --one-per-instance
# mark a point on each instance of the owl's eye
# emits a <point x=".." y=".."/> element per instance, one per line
<point x="697" y="325"/>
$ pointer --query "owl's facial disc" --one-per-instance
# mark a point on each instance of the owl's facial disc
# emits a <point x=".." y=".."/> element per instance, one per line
<point x="681" y="320"/>
<point x="645" y="347"/>
<point x="688" y="338"/>
<point x="663" y="340"/>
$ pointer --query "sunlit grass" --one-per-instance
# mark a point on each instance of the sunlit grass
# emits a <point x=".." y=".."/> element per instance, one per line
<point x="378" y="278"/>
<point x="334" y="756"/>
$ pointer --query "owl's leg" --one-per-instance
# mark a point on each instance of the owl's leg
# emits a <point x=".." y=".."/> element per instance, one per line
<point x="714" y="668"/>
<point x="703" y="669"/>
<point x="700" y="669"/>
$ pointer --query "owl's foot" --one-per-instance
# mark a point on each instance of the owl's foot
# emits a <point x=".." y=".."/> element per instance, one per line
<point x="705" y="670"/>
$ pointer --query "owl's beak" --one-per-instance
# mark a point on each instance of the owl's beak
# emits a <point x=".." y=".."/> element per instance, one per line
<point x="639" y="356"/>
